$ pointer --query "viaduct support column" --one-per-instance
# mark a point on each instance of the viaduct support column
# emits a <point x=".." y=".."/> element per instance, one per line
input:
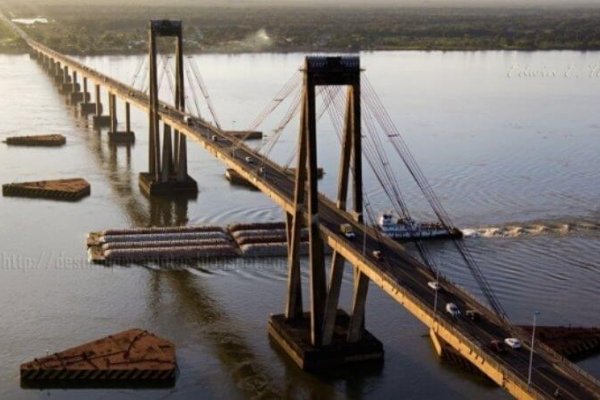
<point x="86" y="108"/>
<point x="75" y="96"/>
<point x="99" y="120"/>
<point x="66" y="86"/>
<point x="58" y="74"/>
<point x="115" y="135"/>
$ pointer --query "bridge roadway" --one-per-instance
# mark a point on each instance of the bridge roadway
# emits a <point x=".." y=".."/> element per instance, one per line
<point x="400" y="275"/>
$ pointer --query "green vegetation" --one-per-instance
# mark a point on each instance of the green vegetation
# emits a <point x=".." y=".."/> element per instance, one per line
<point x="9" y="42"/>
<point x="88" y="28"/>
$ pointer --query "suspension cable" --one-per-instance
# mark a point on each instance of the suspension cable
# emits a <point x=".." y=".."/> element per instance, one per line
<point x="196" y="73"/>
<point x="376" y="106"/>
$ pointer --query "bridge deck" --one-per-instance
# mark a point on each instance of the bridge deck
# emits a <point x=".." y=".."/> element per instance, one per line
<point x="398" y="274"/>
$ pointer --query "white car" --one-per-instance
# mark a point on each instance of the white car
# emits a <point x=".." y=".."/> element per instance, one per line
<point x="435" y="285"/>
<point x="513" y="343"/>
<point x="250" y="160"/>
<point x="453" y="310"/>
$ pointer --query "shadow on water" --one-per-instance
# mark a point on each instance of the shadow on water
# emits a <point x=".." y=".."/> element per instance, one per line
<point x="354" y="379"/>
<point x="218" y="330"/>
<point x="142" y="211"/>
<point x="193" y="300"/>
<point x="194" y="303"/>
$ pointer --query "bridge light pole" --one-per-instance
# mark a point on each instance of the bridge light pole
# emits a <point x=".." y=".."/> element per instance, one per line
<point x="535" y="314"/>
<point x="364" y="249"/>
<point x="435" y="296"/>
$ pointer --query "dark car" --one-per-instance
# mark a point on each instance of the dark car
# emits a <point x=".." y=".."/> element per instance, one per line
<point x="497" y="346"/>
<point x="472" y="315"/>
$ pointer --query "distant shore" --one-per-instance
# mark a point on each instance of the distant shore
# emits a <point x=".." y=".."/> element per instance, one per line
<point x="96" y="30"/>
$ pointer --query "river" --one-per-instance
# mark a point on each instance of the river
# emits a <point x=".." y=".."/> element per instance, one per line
<point x="509" y="141"/>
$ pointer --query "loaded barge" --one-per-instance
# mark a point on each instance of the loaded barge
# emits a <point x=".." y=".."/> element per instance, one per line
<point x="189" y="243"/>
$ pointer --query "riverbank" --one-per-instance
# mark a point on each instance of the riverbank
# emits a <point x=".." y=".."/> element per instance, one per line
<point x="88" y="29"/>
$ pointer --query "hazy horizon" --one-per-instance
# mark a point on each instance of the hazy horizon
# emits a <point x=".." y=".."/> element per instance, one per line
<point x="296" y="3"/>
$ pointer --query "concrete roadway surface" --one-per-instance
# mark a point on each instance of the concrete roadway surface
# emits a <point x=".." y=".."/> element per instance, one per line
<point x="546" y="377"/>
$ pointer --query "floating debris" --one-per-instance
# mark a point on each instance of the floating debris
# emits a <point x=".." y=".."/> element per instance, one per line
<point x="131" y="358"/>
<point x="37" y="140"/>
<point x="61" y="189"/>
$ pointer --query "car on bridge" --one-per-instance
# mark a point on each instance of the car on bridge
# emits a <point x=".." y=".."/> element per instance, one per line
<point x="435" y="285"/>
<point x="497" y="346"/>
<point x="377" y="254"/>
<point x="453" y="310"/>
<point x="472" y="315"/>
<point x="348" y="231"/>
<point x="513" y="343"/>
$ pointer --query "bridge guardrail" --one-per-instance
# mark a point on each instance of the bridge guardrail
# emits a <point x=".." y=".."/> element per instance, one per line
<point x="469" y="340"/>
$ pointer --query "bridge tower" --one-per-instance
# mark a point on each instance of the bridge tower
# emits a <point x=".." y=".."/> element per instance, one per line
<point x="325" y="336"/>
<point x="167" y="168"/>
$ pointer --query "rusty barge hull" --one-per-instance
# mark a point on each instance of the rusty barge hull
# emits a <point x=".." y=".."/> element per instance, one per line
<point x="62" y="189"/>
<point x="37" y="140"/>
<point x="127" y="359"/>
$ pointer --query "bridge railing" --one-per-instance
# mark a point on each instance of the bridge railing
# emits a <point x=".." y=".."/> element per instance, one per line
<point x="468" y="340"/>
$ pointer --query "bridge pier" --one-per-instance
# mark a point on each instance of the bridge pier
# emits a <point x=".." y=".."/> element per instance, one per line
<point x="114" y="135"/>
<point x="67" y="86"/>
<point x="86" y="108"/>
<point x="325" y="336"/>
<point x="59" y="75"/>
<point x="76" y="96"/>
<point x="99" y="120"/>
<point x="167" y="167"/>
<point x="49" y="63"/>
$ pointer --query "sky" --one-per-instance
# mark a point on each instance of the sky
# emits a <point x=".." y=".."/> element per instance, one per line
<point x="412" y="3"/>
<point x="472" y="3"/>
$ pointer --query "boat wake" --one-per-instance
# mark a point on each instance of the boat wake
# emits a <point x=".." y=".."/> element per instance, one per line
<point x="535" y="228"/>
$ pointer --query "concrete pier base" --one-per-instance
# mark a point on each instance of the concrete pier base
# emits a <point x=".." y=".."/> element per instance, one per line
<point x="150" y="187"/>
<point x="101" y="121"/>
<point x="293" y="339"/>
<point x="77" y="97"/>
<point x="88" y="108"/>
<point x="121" y="137"/>
<point x="67" y="88"/>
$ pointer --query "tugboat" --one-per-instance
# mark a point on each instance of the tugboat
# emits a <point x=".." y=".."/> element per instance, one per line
<point x="402" y="229"/>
